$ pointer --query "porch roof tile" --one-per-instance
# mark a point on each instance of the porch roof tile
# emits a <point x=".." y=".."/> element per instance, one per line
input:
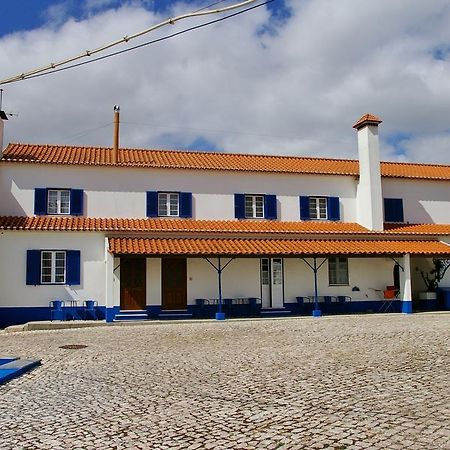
<point x="276" y="247"/>
<point x="148" y="225"/>
<point x="58" y="223"/>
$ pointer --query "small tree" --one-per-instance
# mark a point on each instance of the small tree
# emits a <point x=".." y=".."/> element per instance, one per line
<point x="435" y="275"/>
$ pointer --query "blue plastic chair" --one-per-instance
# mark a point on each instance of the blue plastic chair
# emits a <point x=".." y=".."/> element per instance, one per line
<point x="56" y="310"/>
<point x="90" y="310"/>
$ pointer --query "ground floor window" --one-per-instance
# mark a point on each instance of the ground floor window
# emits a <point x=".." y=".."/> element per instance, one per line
<point x="53" y="267"/>
<point x="338" y="270"/>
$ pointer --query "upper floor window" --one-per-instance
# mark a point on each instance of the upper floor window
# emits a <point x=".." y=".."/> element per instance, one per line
<point x="53" y="267"/>
<point x="255" y="206"/>
<point x="338" y="270"/>
<point x="319" y="208"/>
<point x="168" y="204"/>
<point x="58" y="201"/>
<point x="393" y="210"/>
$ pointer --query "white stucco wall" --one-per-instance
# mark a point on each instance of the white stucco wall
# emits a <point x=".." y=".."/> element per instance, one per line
<point x="371" y="275"/>
<point x="239" y="279"/>
<point x="13" y="250"/>
<point x="120" y="192"/>
<point x="424" y="201"/>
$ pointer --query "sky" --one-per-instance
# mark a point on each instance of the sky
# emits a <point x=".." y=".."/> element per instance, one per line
<point x="290" y="77"/>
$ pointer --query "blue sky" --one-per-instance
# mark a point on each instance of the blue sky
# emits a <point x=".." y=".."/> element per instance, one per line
<point x="288" y="78"/>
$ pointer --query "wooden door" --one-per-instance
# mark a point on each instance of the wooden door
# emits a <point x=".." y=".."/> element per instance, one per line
<point x="132" y="283"/>
<point x="174" y="283"/>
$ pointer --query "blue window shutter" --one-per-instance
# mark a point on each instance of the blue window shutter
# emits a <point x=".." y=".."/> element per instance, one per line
<point x="239" y="206"/>
<point x="33" y="267"/>
<point x="393" y="210"/>
<point x="76" y="202"/>
<point x="152" y="204"/>
<point x="185" y="204"/>
<point x="270" y="207"/>
<point x="73" y="267"/>
<point x="40" y="201"/>
<point x="333" y="208"/>
<point x="304" y="208"/>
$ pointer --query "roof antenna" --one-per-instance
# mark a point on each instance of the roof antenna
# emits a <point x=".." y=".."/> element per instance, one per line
<point x="4" y="115"/>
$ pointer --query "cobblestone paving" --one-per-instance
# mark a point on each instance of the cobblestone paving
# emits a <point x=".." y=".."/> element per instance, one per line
<point x="358" y="382"/>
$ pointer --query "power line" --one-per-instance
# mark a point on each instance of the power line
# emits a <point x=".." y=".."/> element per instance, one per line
<point x="154" y="41"/>
<point x="52" y="68"/>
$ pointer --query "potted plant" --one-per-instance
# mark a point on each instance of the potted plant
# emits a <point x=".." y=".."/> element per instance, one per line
<point x="433" y="277"/>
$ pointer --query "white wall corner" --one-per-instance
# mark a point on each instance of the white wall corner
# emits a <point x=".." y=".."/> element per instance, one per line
<point x="109" y="276"/>
<point x="369" y="197"/>
<point x="2" y="128"/>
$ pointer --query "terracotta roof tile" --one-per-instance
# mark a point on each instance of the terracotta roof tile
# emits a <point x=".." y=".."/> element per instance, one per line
<point x="58" y="223"/>
<point x="367" y="119"/>
<point x="175" y="159"/>
<point x="160" y="225"/>
<point x="259" y="247"/>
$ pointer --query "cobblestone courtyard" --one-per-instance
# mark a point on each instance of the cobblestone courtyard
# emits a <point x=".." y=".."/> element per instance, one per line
<point x="359" y="382"/>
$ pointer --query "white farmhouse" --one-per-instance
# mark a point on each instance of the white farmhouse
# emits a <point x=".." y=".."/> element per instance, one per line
<point x="161" y="233"/>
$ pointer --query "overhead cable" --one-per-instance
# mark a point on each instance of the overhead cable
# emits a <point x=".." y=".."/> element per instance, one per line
<point x="50" y="67"/>
<point x="154" y="41"/>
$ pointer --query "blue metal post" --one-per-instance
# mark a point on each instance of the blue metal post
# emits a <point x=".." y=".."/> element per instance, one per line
<point x="220" y="315"/>
<point x="316" y="312"/>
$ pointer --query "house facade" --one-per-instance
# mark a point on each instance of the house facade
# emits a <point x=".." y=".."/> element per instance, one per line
<point x="159" y="233"/>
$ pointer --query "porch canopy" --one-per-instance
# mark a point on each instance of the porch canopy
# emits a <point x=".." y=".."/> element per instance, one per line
<point x="202" y="247"/>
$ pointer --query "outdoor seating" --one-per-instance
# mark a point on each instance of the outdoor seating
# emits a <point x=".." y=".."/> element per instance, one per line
<point x="56" y="310"/>
<point x="90" y="310"/>
<point x="71" y="310"/>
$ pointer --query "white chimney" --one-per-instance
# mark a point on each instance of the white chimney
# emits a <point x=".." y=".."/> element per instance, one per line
<point x="369" y="197"/>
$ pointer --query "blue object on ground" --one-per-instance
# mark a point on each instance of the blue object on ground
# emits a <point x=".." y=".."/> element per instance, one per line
<point x="15" y="367"/>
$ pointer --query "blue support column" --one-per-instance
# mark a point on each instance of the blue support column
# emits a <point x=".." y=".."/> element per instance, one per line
<point x="220" y="315"/>
<point x="316" y="311"/>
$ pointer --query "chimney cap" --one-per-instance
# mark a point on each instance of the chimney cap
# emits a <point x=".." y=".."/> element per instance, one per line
<point x="367" y="119"/>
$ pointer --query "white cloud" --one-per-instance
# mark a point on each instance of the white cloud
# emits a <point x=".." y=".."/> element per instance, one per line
<point x="297" y="91"/>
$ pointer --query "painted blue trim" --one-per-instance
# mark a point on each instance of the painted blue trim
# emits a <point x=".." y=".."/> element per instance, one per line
<point x="152" y="204"/>
<point x="393" y="210"/>
<point x="407" y="307"/>
<point x="304" y="208"/>
<point x="334" y="212"/>
<point x="73" y="267"/>
<point x="76" y="202"/>
<point x="239" y="206"/>
<point x="19" y="316"/>
<point x="153" y="311"/>
<point x="270" y="207"/>
<point x="185" y="202"/>
<point x="110" y="313"/>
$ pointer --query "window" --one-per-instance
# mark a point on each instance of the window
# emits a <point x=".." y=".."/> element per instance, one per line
<point x="338" y="270"/>
<point x="393" y="210"/>
<point x="53" y="267"/>
<point x="58" y="201"/>
<point x="254" y="206"/>
<point x="318" y="208"/>
<point x="168" y="204"/>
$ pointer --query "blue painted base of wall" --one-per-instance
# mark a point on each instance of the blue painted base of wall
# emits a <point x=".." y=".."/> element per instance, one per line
<point x="407" y="307"/>
<point x="153" y="311"/>
<point x="18" y="316"/>
<point x="110" y="313"/>
<point x="347" y="307"/>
